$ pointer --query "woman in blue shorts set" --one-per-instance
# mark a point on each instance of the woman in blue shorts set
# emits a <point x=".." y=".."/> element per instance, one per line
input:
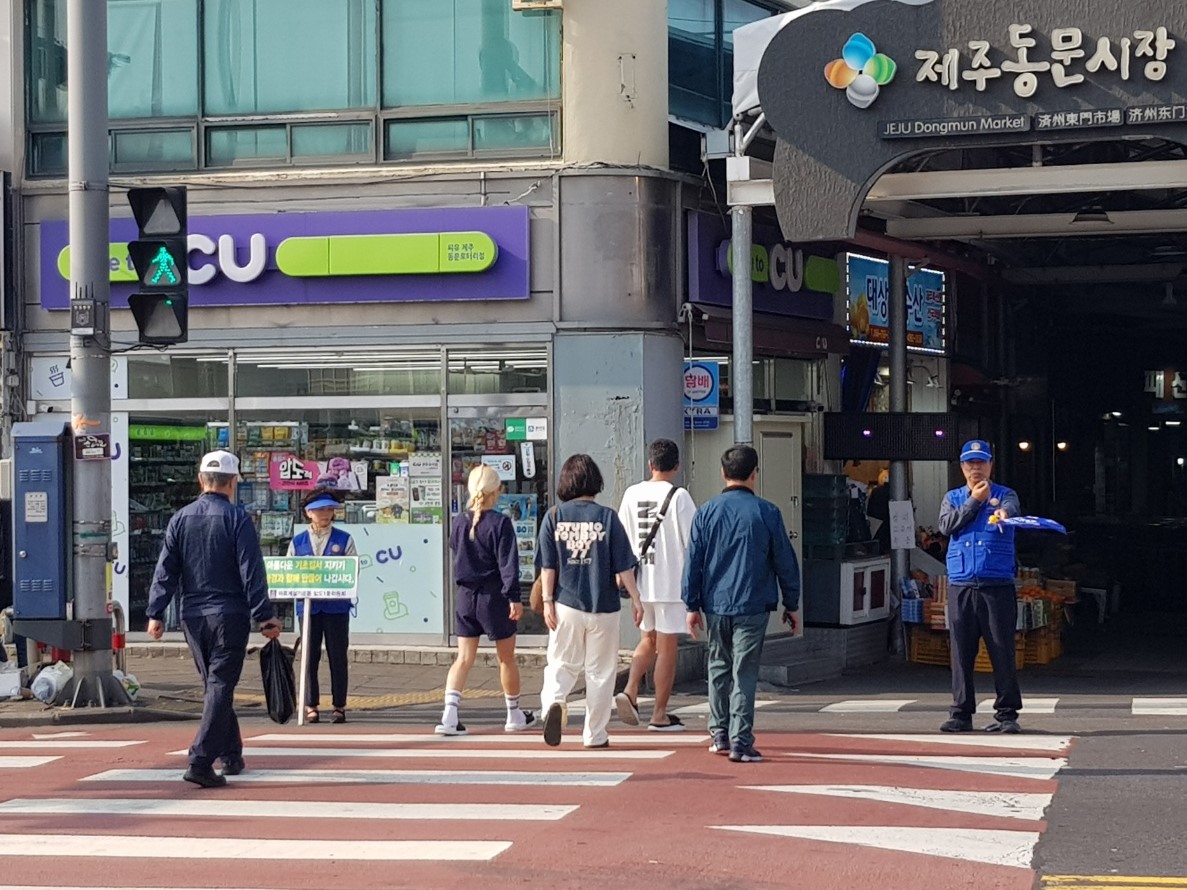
<point x="486" y="571"/>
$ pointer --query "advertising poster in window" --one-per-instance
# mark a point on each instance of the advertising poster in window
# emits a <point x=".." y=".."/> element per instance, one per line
<point x="401" y="578"/>
<point x="522" y="510"/>
<point x="393" y="499"/>
<point x="869" y="304"/>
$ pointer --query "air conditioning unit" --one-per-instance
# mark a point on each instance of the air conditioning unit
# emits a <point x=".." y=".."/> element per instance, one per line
<point x="536" y="5"/>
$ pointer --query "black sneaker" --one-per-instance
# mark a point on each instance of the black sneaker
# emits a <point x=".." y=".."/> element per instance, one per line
<point x="554" y="723"/>
<point x="957" y="724"/>
<point x="204" y="776"/>
<point x="234" y="766"/>
<point x="720" y="743"/>
<point x="744" y="754"/>
<point x="1009" y="727"/>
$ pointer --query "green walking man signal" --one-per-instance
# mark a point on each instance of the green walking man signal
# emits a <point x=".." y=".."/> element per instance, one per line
<point x="160" y="257"/>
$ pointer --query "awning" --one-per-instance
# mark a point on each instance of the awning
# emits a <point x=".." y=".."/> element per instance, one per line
<point x="776" y="335"/>
<point x="751" y="41"/>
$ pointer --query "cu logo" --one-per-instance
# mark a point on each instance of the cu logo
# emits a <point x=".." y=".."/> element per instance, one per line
<point x="389" y="555"/>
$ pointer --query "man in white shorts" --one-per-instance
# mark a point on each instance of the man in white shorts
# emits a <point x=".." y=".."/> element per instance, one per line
<point x="659" y="576"/>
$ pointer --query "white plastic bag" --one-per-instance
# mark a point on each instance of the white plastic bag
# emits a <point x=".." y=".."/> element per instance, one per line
<point x="130" y="683"/>
<point x="51" y="680"/>
<point x="10" y="680"/>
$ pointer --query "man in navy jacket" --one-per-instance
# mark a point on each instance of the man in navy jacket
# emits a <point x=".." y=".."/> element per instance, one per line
<point x="739" y="559"/>
<point x="982" y="600"/>
<point x="211" y="561"/>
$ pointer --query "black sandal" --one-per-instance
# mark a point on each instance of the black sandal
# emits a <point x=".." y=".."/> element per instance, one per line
<point x="339" y="715"/>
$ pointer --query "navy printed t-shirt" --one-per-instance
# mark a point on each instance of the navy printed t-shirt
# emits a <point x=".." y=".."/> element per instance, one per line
<point x="587" y="545"/>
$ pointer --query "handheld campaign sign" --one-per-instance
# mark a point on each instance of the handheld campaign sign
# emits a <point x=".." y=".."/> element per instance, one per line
<point x="308" y="578"/>
<point x="1035" y="523"/>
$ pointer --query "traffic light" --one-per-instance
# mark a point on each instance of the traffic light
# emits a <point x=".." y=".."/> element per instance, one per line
<point x="161" y="259"/>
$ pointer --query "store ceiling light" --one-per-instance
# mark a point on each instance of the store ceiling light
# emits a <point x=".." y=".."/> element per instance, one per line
<point x="1174" y="423"/>
<point x="1154" y="428"/>
<point x="1024" y="445"/>
<point x="1062" y="446"/>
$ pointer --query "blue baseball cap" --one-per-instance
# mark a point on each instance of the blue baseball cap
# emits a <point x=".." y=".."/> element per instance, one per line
<point x="323" y="501"/>
<point x="975" y="449"/>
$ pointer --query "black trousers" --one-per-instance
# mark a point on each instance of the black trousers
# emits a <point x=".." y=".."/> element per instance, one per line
<point x="990" y="612"/>
<point x="218" y="644"/>
<point x="335" y="630"/>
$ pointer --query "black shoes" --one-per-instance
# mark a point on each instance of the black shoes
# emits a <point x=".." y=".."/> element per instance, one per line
<point x="204" y="777"/>
<point x="554" y="723"/>
<point x="234" y="767"/>
<point x="957" y="724"/>
<point x="1009" y="727"/>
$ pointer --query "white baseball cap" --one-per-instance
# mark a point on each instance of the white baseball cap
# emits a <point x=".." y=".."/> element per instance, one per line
<point x="219" y="462"/>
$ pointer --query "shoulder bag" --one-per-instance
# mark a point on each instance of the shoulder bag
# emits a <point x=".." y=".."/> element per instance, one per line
<point x="647" y="541"/>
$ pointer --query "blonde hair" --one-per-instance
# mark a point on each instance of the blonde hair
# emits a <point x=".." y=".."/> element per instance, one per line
<point x="484" y="485"/>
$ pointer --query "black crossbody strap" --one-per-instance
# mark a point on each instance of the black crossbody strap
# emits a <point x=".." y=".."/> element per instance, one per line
<point x="659" y="517"/>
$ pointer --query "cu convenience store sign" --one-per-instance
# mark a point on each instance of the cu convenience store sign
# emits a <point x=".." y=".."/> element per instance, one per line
<point x="432" y="255"/>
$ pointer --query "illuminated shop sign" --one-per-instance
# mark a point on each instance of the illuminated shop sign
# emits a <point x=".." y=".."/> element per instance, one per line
<point x="869" y="304"/>
<point x="311" y="258"/>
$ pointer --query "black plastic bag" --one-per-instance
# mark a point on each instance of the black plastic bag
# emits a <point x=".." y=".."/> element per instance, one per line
<point x="280" y="689"/>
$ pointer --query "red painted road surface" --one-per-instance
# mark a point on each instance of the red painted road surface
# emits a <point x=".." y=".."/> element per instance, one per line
<point x="650" y="824"/>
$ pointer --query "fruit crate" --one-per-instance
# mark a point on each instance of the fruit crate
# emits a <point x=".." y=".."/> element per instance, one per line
<point x="928" y="647"/>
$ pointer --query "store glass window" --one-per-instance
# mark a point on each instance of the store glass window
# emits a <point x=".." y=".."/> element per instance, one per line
<point x="277" y="56"/>
<point x="176" y="377"/>
<point x="388" y="468"/>
<point x="515" y="443"/>
<point x="156" y="465"/>
<point x="152" y="51"/>
<point x="404" y="372"/>
<point x="149" y="149"/>
<point x="483" y="371"/>
<point x="455" y="52"/>
<point x="227" y="146"/>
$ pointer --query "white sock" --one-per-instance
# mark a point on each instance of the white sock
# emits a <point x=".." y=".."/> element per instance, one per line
<point x="453" y="698"/>
<point x="514" y="714"/>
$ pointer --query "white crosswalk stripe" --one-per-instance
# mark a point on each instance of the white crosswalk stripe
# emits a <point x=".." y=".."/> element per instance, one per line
<point x="539" y="753"/>
<point x="409" y="738"/>
<point x="1159" y="707"/>
<point x="286" y="809"/>
<point x="870" y="706"/>
<point x="1030" y="706"/>
<point x="380" y="777"/>
<point x="134" y="847"/>
<point x="65" y="745"/>
<point x="11" y="762"/>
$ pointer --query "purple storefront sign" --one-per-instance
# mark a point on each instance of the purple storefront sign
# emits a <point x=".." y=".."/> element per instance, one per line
<point x="786" y="288"/>
<point x="264" y="284"/>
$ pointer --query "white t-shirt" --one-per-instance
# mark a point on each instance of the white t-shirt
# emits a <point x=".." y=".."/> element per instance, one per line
<point x="661" y="572"/>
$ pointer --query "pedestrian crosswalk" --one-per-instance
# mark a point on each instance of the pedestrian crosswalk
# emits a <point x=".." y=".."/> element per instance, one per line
<point x="1137" y="706"/>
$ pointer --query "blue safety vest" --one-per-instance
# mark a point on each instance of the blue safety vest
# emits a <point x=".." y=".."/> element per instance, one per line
<point x="981" y="552"/>
<point x="336" y="546"/>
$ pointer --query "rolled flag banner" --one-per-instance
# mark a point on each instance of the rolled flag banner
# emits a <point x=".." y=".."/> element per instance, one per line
<point x="1037" y="523"/>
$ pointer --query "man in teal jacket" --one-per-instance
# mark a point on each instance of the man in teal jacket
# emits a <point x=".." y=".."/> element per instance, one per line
<point x="982" y="601"/>
<point x="739" y="559"/>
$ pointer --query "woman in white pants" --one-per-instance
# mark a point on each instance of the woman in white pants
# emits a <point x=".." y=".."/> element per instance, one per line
<point x="583" y="555"/>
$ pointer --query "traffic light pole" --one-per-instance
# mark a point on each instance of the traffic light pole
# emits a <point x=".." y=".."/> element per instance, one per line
<point x="90" y="357"/>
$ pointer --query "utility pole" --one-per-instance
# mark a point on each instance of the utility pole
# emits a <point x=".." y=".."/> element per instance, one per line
<point x="90" y="355"/>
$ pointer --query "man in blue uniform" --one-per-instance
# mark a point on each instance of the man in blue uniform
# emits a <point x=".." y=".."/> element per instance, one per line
<point x="982" y="601"/>
<point x="211" y="559"/>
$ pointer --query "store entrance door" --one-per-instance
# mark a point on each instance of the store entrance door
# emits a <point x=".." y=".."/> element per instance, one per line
<point x="780" y="480"/>
<point x="514" y="440"/>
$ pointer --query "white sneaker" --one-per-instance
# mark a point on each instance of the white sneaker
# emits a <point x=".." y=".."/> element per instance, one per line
<point x="528" y="722"/>
<point x="450" y="729"/>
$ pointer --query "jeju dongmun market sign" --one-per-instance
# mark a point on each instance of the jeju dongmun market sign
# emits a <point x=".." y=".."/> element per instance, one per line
<point x="851" y="88"/>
